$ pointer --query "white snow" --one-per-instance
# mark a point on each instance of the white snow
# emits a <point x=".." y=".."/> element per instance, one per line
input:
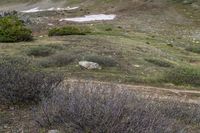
<point x="31" y="10"/>
<point x="36" y="9"/>
<point x="88" y="18"/>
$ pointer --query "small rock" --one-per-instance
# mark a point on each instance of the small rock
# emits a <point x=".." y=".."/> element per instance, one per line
<point x="194" y="5"/>
<point x="89" y="65"/>
<point x="5" y="126"/>
<point x="137" y="66"/>
<point x="53" y="131"/>
<point x="50" y="24"/>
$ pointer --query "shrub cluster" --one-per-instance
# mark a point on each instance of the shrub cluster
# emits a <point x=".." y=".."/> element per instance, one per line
<point x="102" y="60"/>
<point x="21" y="85"/>
<point x="184" y="76"/>
<point x="194" y="49"/>
<point x="57" y="60"/>
<point x="89" y="108"/>
<point x="40" y="51"/>
<point x="69" y="30"/>
<point x="13" y="30"/>
<point x="159" y="62"/>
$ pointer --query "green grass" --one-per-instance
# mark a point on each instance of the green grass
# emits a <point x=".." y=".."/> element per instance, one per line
<point x="129" y="51"/>
<point x="159" y="62"/>
<point x="184" y="75"/>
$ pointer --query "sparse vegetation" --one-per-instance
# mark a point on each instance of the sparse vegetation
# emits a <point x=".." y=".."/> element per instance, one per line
<point x="159" y="62"/>
<point x="185" y="75"/>
<point x="40" y="51"/>
<point x="69" y="30"/>
<point x="57" y="60"/>
<point x="13" y="30"/>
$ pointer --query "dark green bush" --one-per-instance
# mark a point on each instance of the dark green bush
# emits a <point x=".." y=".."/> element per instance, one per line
<point x="57" y="60"/>
<point x="20" y="84"/>
<point x="13" y="30"/>
<point x="194" y="49"/>
<point x="102" y="60"/>
<point x="184" y="76"/>
<point x="69" y="30"/>
<point x="159" y="62"/>
<point x="41" y="51"/>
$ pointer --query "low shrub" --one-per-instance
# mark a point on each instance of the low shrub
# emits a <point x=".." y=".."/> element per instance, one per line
<point x="19" y="84"/>
<point x="57" y="60"/>
<point x="159" y="62"/>
<point x="89" y="108"/>
<point x="184" y="76"/>
<point x="69" y="30"/>
<point x="184" y="1"/>
<point x="13" y="30"/>
<point x="194" y="49"/>
<point x="102" y="60"/>
<point x="41" y="51"/>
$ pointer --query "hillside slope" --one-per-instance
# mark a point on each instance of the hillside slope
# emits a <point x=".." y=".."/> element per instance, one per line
<point x="147" y="38"/>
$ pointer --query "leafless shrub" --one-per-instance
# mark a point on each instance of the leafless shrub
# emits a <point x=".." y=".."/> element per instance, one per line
<point x="186" y="112"/>
<point x="107" y="109"/>
<point x="57" y="60"/>
<point x="20" y="85"/>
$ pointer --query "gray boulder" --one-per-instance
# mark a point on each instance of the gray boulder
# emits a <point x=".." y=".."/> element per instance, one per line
<point x="89" y="65"/>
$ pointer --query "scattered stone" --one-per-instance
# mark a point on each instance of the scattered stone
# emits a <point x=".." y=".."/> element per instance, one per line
<point x="137" y="66"/>
<point x="89" y="65"/>
<point x="5" y="126"/>
<point x="53" y="131"/>
<point x="22" y="17"/>
<point x="50" y="24"/>
<point x="8" y="13"/>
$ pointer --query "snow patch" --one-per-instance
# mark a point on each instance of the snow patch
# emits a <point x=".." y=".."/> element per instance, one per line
<point x="88" y="18"/>
<point x="36" y="9"/>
